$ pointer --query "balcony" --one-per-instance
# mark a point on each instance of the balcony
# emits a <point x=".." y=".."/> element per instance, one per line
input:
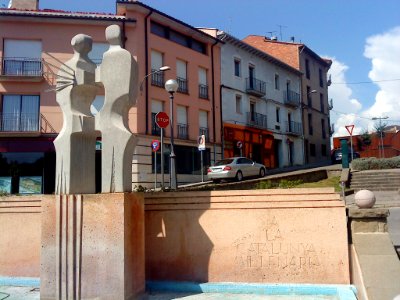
<point x="291" y="98"/>
<point x="332" y="130"/>
<point x="155" y="130"/>
<point x="157" y="78"/>
<point x="182" y="85"/>
<point x="293" y="128"/>
<point x="183" y="131"/>
<point x="203" y="91"/>
<point x="21" y="69"/>
<point x="256" y="119"/>
<point x="204" y="131"/>
<point x="255" y="87"/>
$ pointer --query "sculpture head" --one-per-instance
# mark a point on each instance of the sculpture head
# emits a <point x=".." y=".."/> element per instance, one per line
<point x="113" y="35"/>
<point x="82" y="43"/>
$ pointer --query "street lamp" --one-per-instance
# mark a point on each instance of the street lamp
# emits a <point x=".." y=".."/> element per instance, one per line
<point x="171" y="86"/>
<point x="382" y="154"/>
<point x="159" y="70"/>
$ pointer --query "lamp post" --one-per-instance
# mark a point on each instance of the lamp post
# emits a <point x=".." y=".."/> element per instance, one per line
<point x="171" y="86"/>
<point x="161" y="69"/>
<point x="382" y="154"/>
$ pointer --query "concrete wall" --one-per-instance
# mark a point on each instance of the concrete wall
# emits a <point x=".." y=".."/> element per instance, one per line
<point x="276" y="236"/>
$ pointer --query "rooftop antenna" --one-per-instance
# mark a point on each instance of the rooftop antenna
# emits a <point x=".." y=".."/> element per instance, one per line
<point x="280" y="30"/>
<point x="271" y="33"/>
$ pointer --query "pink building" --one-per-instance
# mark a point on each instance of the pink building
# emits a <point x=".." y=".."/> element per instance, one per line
<point x="35" y="42"/>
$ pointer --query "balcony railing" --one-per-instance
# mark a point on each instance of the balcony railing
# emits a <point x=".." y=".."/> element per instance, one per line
<point x="203" y="91"/>
<point x="293" y="128"/>
<point x="182" y="85"/>
<point x="20" y="66"/>
<point x="255" y="86"/>
<point x="332" y="130"/>
<point x="155" y="130"/>
<point x="256" y="119"/>
<point x="204" y="131"/>
<point x="19" y="122"/>
<point x="183" y="131"/>
<point x="291" y="98"/>
<point x="157" y="78"/>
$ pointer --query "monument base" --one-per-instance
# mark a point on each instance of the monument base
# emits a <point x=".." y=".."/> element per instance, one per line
<point x="93" y="247"/>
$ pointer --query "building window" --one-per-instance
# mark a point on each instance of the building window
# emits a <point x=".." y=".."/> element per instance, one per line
<point x="323" y="128"/>
<point x="182" y="122"/>
<point x="19" y="113"/>
<point x="310" y="127"/>
<point x="237" y="67"/>
<point x="321" y="102"/>
<point x="307" y="69"/>
<point x="157" y="79"/>
<point x="181" y="76"/>
<point x="312" y="150"/>
<point x="203" y="124"/>
<point x="309" y="99"/>
<point x="323" y="150"/>
<point x="276" y="81"/>
<point x="321" y="80"/>
<point x="238" y="104"/>
<point x="22" y="58"/>
<point x="177" y="37"/>
<point x="252" y="111"/>
<point x="203" y="86"/>
<point x="277" y="114"/>
<point x="98" y="49"/>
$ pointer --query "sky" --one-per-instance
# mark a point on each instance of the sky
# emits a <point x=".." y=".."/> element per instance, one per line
<point x="362" y="37"/>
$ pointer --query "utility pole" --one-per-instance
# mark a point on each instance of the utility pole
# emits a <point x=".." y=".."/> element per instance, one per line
<point x="382" y="154"/>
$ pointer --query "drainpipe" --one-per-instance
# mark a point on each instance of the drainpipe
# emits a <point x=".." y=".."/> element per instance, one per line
<point x="222" y="122"/>
<point x="146" y="59"/>
<point x="213" y="97"/>
<point x="302" y="121"/>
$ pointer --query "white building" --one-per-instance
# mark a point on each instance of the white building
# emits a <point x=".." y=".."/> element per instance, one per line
<point x="260" y="105"/>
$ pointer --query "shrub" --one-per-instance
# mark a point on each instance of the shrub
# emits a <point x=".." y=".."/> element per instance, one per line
<point x="287" y="184"/>
<point x="372" y="163"/>
<point x="266" y="185"/>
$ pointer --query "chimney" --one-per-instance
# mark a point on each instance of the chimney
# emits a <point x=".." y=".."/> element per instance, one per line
<point x="24" y="4"/>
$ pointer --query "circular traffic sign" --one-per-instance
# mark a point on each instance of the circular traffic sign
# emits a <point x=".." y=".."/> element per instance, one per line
<point x="162" y="119"/>
<point x="155" y="145"/>
<point x="239" y="144"/>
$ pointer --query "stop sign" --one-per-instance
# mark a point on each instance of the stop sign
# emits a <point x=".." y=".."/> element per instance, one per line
<point x="162" y="119"/>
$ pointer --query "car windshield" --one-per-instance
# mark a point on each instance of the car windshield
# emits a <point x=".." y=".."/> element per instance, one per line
<point x="224" y="162"/>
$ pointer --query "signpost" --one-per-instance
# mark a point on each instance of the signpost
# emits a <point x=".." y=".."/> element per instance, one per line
<point x="162" y="121"/>
<point x="239" y="144"/>
<point x="350" y="131"/>
<point x="201" y="141"/>
<point x="155" y="145"/>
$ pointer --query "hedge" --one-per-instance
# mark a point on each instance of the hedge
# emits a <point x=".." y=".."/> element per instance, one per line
<point x="372" y="163"/>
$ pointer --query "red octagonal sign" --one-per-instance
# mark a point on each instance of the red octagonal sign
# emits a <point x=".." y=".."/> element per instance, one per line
<point x="162" y="119"/>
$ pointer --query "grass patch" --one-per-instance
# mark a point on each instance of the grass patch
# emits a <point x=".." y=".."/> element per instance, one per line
<point x="286" y="184"/>
<point x="328" y="182"/>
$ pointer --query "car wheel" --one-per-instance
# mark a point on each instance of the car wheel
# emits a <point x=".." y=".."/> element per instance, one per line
<point x="262" y="172"/>
<point x="216" y="180"/>
<point x="239" y="176"/>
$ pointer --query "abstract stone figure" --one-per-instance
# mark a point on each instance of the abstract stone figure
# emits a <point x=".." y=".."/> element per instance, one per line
<point x="119" y="76"/>
<point x="76" y="142"/>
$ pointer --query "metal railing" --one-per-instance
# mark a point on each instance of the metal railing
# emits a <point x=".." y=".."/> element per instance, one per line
<point x="19" y="122"/>
<point x="21" y="66"/>
<point x="183" y="131"/>
<point x="155" y="130"/>
<point x="157" y="78"/>
<point x="203" y="91"/>
<point x="291" y="98"/>
<point x="204" y="131"/>
<point x="255" y="86"/>
<point x="182" y="85"/>
<point x="256" y="119"/>
<point x="293" y="128"/>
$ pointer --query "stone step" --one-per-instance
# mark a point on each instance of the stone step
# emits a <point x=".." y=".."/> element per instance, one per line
<point x="375" y="188"/>
<point x="375" y="175"/>
<point x="383" y="180"/>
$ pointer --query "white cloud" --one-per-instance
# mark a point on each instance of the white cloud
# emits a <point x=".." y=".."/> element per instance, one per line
<point x="383" y="50"/>
<point x="344" y="106"/>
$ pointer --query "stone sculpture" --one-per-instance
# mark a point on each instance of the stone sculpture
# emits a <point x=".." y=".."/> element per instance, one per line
<point x="77" y="86"/>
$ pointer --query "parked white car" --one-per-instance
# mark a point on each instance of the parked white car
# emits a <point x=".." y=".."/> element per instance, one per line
<point x="235" y="168"/>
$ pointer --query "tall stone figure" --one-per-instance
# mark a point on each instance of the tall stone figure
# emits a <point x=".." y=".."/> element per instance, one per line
<point x="76" y="142"/>
<point x="119" y="76"/>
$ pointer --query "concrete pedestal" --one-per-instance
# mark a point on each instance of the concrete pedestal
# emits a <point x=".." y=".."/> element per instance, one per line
<point x="93" y="247"/>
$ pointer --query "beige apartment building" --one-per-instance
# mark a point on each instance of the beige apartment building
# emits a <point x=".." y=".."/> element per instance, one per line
<point x="314" y="93"/>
